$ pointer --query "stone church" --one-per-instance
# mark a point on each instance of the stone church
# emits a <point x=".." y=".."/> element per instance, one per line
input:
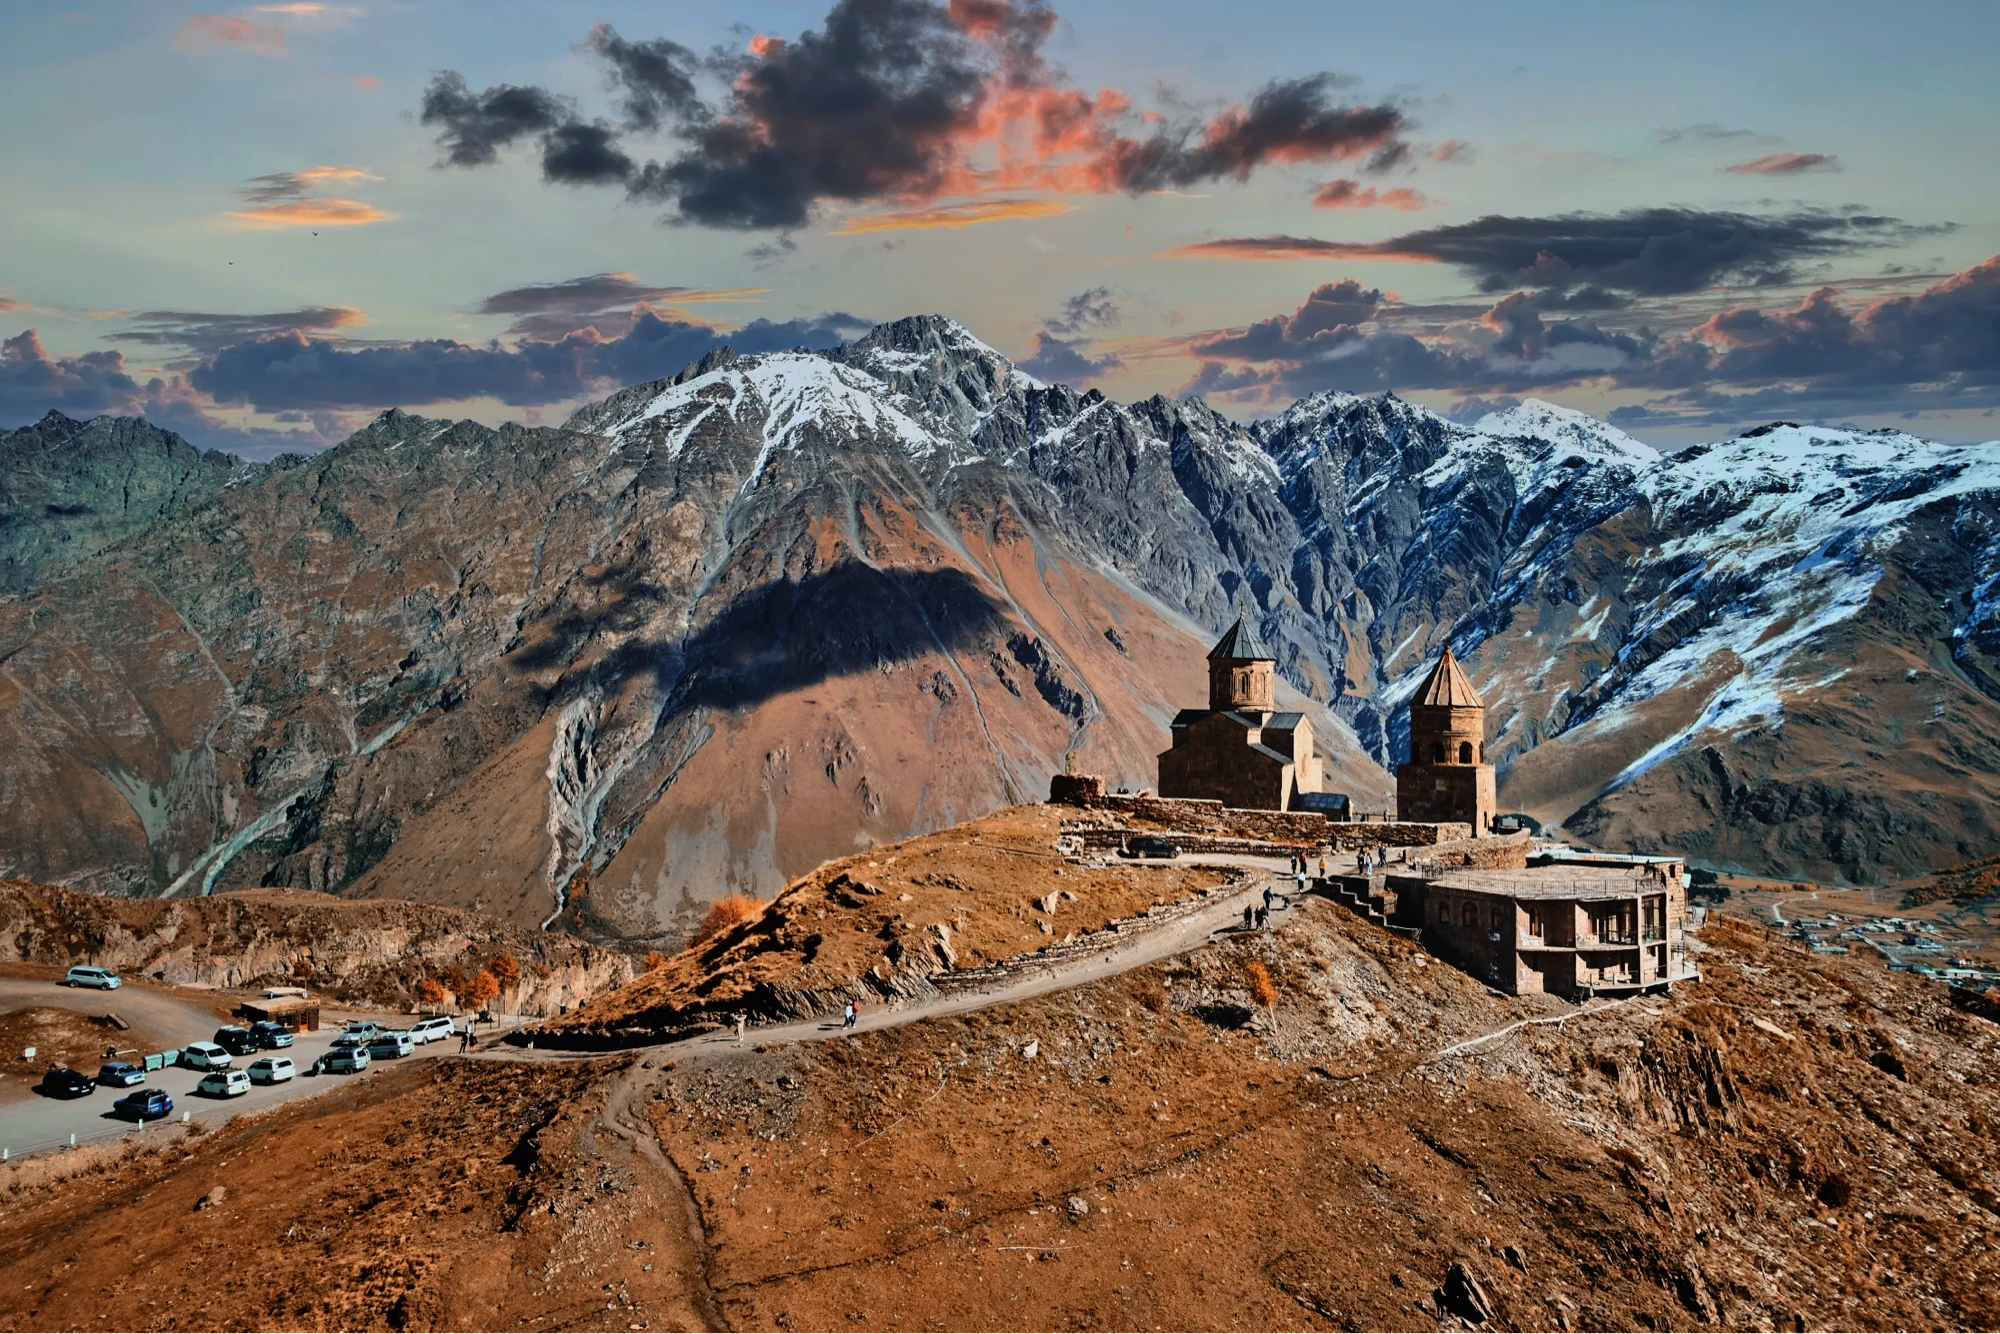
<point x="1447" y="778"/>
<point x="1241" y="750"/>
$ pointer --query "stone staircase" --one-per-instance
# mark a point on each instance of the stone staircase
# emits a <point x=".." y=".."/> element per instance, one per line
<point x="1364" y="895"/>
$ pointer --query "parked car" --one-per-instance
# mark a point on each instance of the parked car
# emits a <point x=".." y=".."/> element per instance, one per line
<point x="345" y="1060"/>
<point x="205" y="1056"/>
<point x="388" y="1046"/>
<point x="271" y="1035"/>
<point x="271" y="1070"/>
<point x="1149" y="846"/>
<point x="84" y="975"/>
<point x="143" y="1105"/>
<point x="346" y="1043"/>
<point x="120" y="1074"/>
<point x="437" y="1028"/>
<point x="361" y="1028"/>
<point x="224" y="1084"/>
<point x="236" y="1040"/>
<point x="63" y="1082"/>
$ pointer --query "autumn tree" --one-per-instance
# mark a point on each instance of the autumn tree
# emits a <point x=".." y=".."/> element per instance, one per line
<point x="430" y="991"/>
<point x="655" y="961"/>
<point x="482" y="988"/>
<point x="725" y="915"/>
<point x="506" y="969"/>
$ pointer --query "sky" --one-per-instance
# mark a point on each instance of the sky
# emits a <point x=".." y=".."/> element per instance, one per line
<point x="261" y="225"/>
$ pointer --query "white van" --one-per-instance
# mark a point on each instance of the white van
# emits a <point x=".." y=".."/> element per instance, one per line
<point x="437" y="1028"/>
<point x="83" y="975"/>
<point x="204" y="1056"/>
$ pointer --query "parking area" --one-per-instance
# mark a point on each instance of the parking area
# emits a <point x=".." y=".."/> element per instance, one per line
<point x="37" y="1123"/>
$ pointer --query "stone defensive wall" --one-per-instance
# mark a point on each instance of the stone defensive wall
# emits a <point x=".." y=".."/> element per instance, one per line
<point x="1195" y="815"/>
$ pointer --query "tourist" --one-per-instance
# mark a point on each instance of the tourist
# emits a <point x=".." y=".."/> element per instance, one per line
<point x="740" y="1017"/>
<point x="1299" y="881"/>
<point x="1249" y="916"/>
<point x="847" y="1016"/>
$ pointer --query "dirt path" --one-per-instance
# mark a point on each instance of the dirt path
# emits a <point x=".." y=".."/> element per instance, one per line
<point x="1187" y="933"/>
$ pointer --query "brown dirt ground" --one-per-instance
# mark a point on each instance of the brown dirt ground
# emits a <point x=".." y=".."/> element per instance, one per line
<point x="981" y="879"/>
<point x="455" y="1195"/>
<point x="1668" y="1164"/>
<point x="63" y="1037"/>
<point x="1795" y="1141"/>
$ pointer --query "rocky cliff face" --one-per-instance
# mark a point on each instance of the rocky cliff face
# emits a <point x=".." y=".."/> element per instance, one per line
<point x="717" y="629"/>
<point x="68" y="489"/>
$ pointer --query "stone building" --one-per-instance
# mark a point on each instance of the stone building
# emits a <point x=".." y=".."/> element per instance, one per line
<point x="1579" y="925"/>
<point x="1241" y="750"/>
<point x="1447" y="777"/>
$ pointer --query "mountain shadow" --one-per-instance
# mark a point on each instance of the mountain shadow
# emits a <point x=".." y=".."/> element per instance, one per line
<point x="792" y="633"/>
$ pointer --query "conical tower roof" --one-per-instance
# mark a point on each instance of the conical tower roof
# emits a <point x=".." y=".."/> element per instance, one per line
<point x="1240" y="643"/>
<point x="1448" y="687"/>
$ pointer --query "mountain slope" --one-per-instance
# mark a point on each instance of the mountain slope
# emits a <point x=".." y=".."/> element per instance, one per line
<point x="68" y="489"/>
<point x="716" y="629"/>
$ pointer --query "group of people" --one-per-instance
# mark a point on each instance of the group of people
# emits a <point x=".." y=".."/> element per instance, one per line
<point x="1372" y="860"/>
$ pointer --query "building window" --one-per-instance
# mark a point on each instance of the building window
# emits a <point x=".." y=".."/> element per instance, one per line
<point x="1471" y="915"/>
<point x="1437" y="752"/>
<point x="1465" y="752"/>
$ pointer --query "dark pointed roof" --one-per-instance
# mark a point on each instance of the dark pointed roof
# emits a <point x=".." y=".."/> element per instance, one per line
<point x="1241" y="644"/>
<point x="1448" y="687"/>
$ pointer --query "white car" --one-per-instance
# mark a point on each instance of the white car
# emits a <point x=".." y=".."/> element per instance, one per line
<point x="83" y="975"/>
<point x="224" y="1084"/>
<point x="271" y="1070"/>
<point x="205" y="1056"/>
<point x="435" y="1029"/>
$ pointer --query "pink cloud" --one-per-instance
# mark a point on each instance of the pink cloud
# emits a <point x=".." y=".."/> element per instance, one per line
<point x="1345" y="193"/>
<point x="1785" y="164"/>
<point x="209" y="32"/>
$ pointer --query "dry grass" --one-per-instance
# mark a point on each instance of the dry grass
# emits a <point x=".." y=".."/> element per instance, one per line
<point x="24" y="1177"/>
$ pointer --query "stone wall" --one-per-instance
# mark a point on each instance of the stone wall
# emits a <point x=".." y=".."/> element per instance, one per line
<point x="1395" y="834"/>
<point x="1075" y="790"/>
<point x="1497" y="852"/>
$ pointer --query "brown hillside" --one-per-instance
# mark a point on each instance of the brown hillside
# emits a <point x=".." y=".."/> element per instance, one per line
<point x="1795" y="1141"/>
<point x="977" y="890"/>
<point x="361" y="950"/>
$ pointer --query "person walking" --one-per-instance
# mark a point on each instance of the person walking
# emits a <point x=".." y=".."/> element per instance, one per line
<point x="1249" y="917"/>
<point x="847" y="1016"/>
<point x="465" y="1036"/>
<point x="739" y="1027"/>
<point x="1299" y="882"/>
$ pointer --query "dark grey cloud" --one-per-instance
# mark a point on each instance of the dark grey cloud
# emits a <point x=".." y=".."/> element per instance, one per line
<point x="290" y="371"/>
<point x="1092" y="308"/>
<point x="1291" y="120"/>
<point x="883" y="102"/>
<point x="1064" y="361"/>
<point x="1649" y="251"/>
<point x="205" y="332"/>
<point x="1644" y="252"/>
<point x="1937" y="348"/>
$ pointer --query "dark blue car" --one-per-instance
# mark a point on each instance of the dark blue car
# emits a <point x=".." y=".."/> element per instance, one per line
<point x="144" y="1105"/>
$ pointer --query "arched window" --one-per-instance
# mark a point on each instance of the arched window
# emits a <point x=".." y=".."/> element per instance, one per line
<point x="1437" y="752"/>
<point x="1465" y="752"/>
<point x="1242" y="683"/>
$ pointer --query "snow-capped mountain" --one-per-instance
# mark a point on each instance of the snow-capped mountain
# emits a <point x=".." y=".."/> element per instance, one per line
<point x="716" y="628"/>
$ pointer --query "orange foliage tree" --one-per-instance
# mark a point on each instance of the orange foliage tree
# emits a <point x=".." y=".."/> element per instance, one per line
<point x="655" y="961"/>
<point x="725" y="915"/>
<point x="482" y="988"/>
<point x="506" y="970"/>
<point x="430" y="991"/>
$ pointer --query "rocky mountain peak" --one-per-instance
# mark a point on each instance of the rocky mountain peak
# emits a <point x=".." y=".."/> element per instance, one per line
<point x="1549" y="422"/>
